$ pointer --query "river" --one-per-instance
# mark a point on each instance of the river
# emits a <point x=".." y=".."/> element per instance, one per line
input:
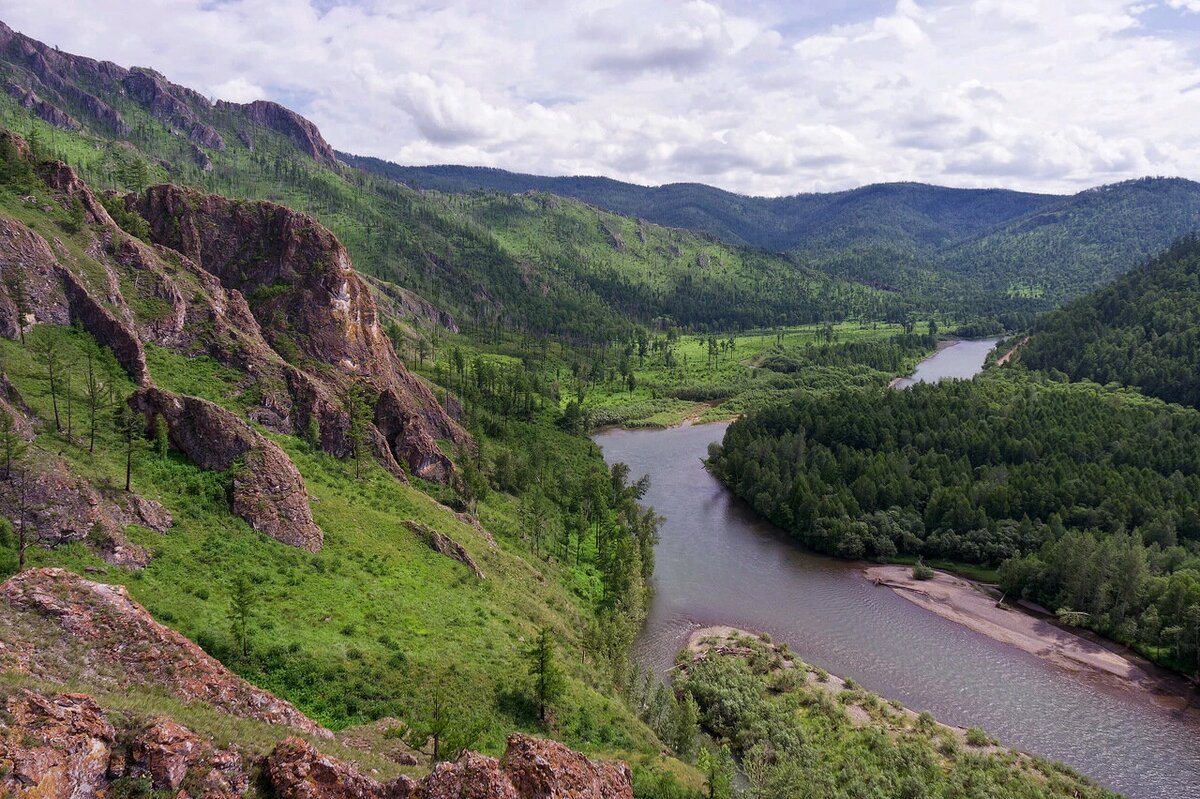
<point x="719" y="563"/>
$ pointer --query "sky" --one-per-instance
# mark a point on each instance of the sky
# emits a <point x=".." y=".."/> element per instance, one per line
<point x="768" y="98"/>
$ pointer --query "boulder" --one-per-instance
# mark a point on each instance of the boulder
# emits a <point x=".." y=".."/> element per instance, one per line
<point x="54" y="747"/>
<point x="165" y="751"/>
<point x="298" y="771"/>
<point x="542" y="769"/>
<point x="268" y="491"/>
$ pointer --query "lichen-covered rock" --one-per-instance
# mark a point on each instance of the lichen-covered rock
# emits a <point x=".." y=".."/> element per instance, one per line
<point x="58" y="626"/>
<point x="164" y="751"/>
<point x="53" y="747"/>
<point x="268" y="491"/>
<point x="542" y="769"/>
<point x="472" y="776"/>
<point x="298" y="771"/>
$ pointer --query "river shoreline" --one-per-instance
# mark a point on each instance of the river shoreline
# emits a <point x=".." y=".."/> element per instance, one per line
<point x="967" y="603"/>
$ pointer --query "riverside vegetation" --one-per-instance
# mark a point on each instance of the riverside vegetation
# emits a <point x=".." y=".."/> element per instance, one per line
<point x="1082" y="497"/>
<point x="476" y="568"/>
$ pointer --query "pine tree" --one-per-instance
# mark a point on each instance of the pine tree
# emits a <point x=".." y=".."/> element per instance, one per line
<point x="548" y="680"/>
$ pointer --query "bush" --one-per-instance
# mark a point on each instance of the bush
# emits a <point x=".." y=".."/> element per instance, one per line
<point x="921" y="572"/>
<point x="977" y="737"/>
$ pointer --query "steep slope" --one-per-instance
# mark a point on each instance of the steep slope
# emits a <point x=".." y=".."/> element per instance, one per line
<point x="1143" y="330"/>
<point x="131" y="127"/>
<point x="60" y="629"/>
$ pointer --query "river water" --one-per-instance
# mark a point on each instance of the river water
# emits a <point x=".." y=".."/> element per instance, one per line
<point x="719" y="563"/>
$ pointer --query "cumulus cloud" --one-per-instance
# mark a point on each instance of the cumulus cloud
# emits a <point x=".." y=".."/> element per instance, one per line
<point x="760" y="98"/>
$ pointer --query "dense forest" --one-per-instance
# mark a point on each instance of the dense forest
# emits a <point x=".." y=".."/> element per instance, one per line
<point x="1086" y="498"/>
<point x="1141" y="331"/>
<point x="977" y="253"/>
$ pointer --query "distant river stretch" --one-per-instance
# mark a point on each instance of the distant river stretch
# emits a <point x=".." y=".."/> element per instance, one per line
<point x="719" y="563"/>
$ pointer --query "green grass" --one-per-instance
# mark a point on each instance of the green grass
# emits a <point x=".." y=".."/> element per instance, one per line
<point x="348" y="634"/>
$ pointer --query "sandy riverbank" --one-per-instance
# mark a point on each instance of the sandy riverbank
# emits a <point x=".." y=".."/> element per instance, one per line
<point x="966" y="603"/>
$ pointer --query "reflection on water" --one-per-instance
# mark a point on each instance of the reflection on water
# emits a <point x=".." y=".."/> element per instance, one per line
<point x="718" y="563"/>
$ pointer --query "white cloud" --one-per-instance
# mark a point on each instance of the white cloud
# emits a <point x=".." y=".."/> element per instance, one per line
<point x="1034" y="94"/>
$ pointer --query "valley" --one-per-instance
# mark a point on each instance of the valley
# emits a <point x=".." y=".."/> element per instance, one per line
<point x="323" y="477"/>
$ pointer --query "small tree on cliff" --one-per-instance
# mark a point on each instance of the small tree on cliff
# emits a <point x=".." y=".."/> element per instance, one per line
<point x="548" y="681"/>
<point x="243" y="604"/>
<point x="27" y="535"/>
<point x="12" y="446"/>
<point x="358" y="404"/>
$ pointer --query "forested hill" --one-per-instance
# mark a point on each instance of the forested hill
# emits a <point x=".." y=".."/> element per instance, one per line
<point x="1142" y="331"/>
<point x="126" y="128"/>
<point x="906" y="214"/>
<point x="984" y="248"/>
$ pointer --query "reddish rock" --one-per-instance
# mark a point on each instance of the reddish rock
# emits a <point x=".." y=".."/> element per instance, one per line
<point x="59" y="626"/>
<point x="55" y="748"/>
<point x="298" y="771"/>
<point x="268" y="491"/>
<point x="444" y="545"/>
<point x="542" y="769"/>
<point x="165" y="751"/>
<point x="472" y="776"/>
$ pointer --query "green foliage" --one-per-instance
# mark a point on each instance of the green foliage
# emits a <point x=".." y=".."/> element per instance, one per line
<point x="545" y="672"/>
<point x="802" y="744"/>
<point x="1141" y="331"/>
<point x="1086" y="497"/>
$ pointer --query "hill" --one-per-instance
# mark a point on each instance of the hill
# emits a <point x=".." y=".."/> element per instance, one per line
<point x="125" y="129"/>
<point x="1143" y="330"/>
<point x="988" y="250"/>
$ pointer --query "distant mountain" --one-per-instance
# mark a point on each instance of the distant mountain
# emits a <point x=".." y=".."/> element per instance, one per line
<point x="963" y="248"/>
<point x="908" y="214"/>
<point x="545" y="267"/>
<point x="1143" y="330"/>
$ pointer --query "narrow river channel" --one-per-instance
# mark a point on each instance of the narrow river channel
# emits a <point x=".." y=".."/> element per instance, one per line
<point x="718" y="563"/>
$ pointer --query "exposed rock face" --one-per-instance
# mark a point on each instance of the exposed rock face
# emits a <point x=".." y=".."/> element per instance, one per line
<point x="165" y="750"/>
<point x="532" y="768"/>
<point x="55" y="748"/>
<point x="298" y="771"/>
<point x="58" y="626"/>
<point x="541" y="769"/>
<point x="156" y="95"/>
<point x="59" y="77"/>
<point x="268" y="490"/>
<point x="309" y="302"/>
<point x="49" y="113"/>
<point x="30" y="277"/>
<point x="299" y="130"/>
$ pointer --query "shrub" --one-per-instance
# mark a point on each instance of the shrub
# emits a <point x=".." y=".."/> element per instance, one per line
<point x="921" y="572"/>
<point x="977" y="737"/>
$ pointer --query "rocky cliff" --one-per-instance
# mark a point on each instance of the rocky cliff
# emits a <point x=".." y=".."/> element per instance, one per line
<point x="310" y="304"/>
<point x="56" y="627"/>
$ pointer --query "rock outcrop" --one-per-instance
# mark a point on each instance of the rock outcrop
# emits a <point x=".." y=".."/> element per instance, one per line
<point x="268" y="491"/>
<point x="54" y="747"/>
<point x="27" y="98"/>
<point x="445" y="545"/>
<point x="532" y="768"/>
<point x="310" y="304"/>
<point x="57" y="626"/>
<point x="300" y="131"/>
<point x="165" y="102"/>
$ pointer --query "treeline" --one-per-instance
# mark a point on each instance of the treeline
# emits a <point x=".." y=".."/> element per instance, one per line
<point x="892" y="355"/>
<point x="1141" y="331"/>
<point x="1087" y="499"/>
